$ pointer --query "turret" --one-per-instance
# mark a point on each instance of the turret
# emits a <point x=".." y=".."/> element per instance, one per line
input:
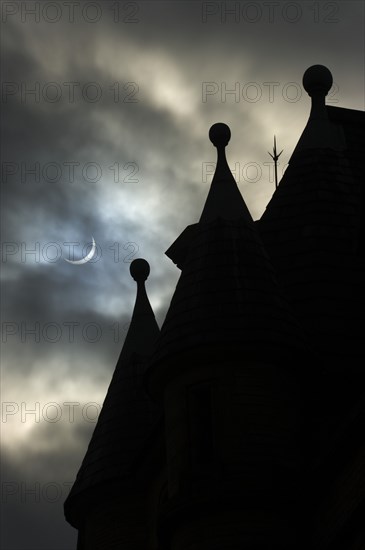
<point x="108" y="503"/>
<point x="311" y="228"/>
<point x="224" y="369"/>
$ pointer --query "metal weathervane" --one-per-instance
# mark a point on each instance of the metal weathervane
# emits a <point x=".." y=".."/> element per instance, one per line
<point x="275" y="157"/>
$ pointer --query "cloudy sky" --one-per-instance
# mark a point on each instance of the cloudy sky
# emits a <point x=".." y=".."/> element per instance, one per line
<point x="106" y="108"/>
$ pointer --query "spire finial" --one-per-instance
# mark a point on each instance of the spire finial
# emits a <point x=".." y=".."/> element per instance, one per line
<point x="318" y="133"/>
<point x="317" y="80"/>
<point x="219" y="134"/>
<point x="139" y="269"/>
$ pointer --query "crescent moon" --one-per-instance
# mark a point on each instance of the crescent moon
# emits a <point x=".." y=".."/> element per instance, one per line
<point x="86" y="258"/>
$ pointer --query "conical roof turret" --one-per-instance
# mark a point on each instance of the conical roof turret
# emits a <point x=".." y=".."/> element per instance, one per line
<point x="127" y="417"/>
<point x="227" y="300"/>
<point x="312" y="225"/>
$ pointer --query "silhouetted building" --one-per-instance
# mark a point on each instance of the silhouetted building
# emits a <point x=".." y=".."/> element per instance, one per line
<point x="240" y="425"/>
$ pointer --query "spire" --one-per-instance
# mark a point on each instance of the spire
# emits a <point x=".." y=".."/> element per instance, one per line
<point x="227" y="300"/>
<point x="318" y="133"/>
<point x="143" y="329"/>
<point x="224" y="198"/>
<point x="127" y="416"/>
<point x="310" y="226"/>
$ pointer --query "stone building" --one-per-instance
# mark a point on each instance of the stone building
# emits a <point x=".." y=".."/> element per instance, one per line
<point x="241" y="423"/>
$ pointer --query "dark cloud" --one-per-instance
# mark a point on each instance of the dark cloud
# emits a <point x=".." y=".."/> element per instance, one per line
<point x="161" y="141"/>
<point x="34" y="486"/>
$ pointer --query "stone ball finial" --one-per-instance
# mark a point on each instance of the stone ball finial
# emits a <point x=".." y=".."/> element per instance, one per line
<point x="219" y="134"/>
<point x="139" y="269"/>
<point x="317" y="78"/>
